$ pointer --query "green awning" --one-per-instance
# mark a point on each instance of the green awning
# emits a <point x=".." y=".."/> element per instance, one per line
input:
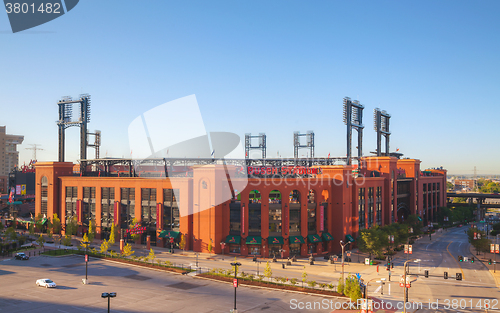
<point x="313" y="238"/>
<point x="296" y="239"/>
<point x="44" y="220"/>
<point x="327" y="237"/>
<point x="278" y="240"/>
<point x="169" y="234"/>
<point x="349" y="238"/>
<point x="233" y="239"/>
<point x="419" y="218"/>
<point x="254" y="240"/>
<point x="15" y="203"/>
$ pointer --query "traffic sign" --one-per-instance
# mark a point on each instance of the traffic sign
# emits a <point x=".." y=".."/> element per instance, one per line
<point x="402" y="281"/>
<point x="348" y="253"/>
<point x="497" y="246"/>
<point x="410" y="249"/>
<point x="335" y="259"/>
<point x="86" y="257"/>
<point x="235" y="282"/>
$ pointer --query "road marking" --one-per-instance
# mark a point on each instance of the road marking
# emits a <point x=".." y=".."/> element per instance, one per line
<point x="389" y="289"/>
<point x="463" y="276"/>
<point x="378" y="289"/>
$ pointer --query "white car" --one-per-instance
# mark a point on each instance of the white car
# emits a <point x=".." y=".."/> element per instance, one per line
<point x="45" y="282"/>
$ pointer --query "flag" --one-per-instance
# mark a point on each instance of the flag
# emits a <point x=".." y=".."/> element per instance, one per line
<point x="11" y="195"/>
<point x="397" y="149"/>
<point x="328" y="154"/>
<point x="213" y="153"/>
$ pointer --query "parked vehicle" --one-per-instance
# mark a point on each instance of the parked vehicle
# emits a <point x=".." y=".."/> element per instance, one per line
<point x="45" y="282"/>
<point x="21" y="256"/>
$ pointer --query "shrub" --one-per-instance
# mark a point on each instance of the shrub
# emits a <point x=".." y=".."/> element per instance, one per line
<point x="331" y="286"/>
<point x="293" y="281"/>
<point x="340" y="287"/>
<point x="311" y="283"/>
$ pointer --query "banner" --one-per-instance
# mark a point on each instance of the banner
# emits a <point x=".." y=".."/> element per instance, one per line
<point x="322" y="218"/>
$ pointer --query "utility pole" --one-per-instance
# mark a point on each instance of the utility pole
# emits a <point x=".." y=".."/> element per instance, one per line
<point x="34" y="148"/>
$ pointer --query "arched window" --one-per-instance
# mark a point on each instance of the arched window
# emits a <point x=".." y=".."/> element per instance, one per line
<point x="44" y="195"/>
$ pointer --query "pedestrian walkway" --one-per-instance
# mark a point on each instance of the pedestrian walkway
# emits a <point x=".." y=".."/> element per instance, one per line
<point x="484" y="258"/>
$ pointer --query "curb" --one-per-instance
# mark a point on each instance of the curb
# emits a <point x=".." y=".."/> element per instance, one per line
<point x="266" y="288"/>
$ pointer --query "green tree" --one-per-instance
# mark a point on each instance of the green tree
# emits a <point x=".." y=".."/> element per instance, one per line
<point x="38" y="221"/>
<point x="268" y="272"/>
<point x="127" y="250"/>
<point x="234" y="269"/>
<point x="40" y="241"/>
<point x="10" y="233"/>
<point x="459" y="200"/>
<point x="340" y="286"/>
<point x="480" y="244"/>
<point x="67" y="240"/>
<point x="353" y="289"/>
<point x="112" y="235"/>
<point x="50" y="230"/>
<point x="372" y="241"/>
<point x="31" y="228"/>
<point x="56" y="224"/>
<point x="450" y="186"/>
<point x="71" y="226"/>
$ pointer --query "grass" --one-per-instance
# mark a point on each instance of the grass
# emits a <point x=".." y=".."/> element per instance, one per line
<point x="59" y="252"/>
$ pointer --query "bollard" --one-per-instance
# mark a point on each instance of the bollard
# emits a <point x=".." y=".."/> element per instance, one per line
<point x="283" y="265"/>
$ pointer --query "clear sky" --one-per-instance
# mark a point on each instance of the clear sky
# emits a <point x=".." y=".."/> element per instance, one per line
<point x="266" y="66"/>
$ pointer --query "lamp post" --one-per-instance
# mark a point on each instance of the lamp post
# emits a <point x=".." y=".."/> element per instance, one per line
<point x="108" y="295"/>
<point x="222" y="245"/>
<point x="86" y="243"/>
<point x="406" y="289"/>
<point x="343" y="246"/>
<point x="495" y="252"/>
<point x="235" y="283"/>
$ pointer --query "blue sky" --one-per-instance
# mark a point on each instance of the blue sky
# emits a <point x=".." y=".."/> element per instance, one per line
<point x="266" y="66"/>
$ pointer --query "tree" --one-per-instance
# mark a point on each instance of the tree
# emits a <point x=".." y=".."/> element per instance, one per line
<point x="91" y="231"/>
<point x="71" y="226"/>
<point x="127" y="250"/>
<point x="40" y="241"/>
<point x="67" y="240"/>
<point x="50" y="230"/>
<point x="304" y="276"/>
<point x="340" y="286"/>
<point x="450" y="186"/>
<point x="38" y="221"/>
<point x="112" y="235"/>
<point x="352" y="288"/>
<point x="210" y="247"/>
<point x="31" y="228"/>
<point x="480" y="244"/>
<point x="268" y="272"/>
<point x="104" y="246"/>
<point x="133" y="224"/>
<point x="182" y="244"/>
<point x="415" y="222"/>
<point x="151" y="255"/>
<point x="56" y="224"/>
<point x="10" y="233"/>
<point x="83" y="241"/>
<point x="372" y="241"/>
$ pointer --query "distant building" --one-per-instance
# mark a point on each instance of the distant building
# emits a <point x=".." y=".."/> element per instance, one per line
<point x="464" y="184"/>
<point x="9" y="156"/>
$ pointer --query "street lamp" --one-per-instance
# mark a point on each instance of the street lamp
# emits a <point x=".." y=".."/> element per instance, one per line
<point x="404" y="281"/>
<point x="86" y="243"/>
<point x="343" y="246"/>
<point x="235" y="264"/>
<point x="222" y="245"/>
<point x="108" y="295"/>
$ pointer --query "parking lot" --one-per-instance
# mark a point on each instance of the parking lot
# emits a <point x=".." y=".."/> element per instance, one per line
<point x="138" y="289"/>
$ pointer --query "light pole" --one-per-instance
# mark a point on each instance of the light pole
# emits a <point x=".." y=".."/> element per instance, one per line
<point x="404" y="281"/>
<point x="343" y="246"/>
<point x="108" y="295"/>
<point x="235" y="264"/>
<point x="222" y="245"/>
<point x="495" y="252"/>
<point x="196" y="259"/>
<point x="86" y="243"/>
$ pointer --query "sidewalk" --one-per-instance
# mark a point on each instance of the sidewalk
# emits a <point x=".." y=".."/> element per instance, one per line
<point x="484" y="257"/>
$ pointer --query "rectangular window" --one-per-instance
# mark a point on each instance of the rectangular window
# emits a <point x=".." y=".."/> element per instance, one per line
<point x="370" y="206"/>
<point x="107" y="206"/>
<point x="378" y="204"/>
<point x="235" y="218"/>
<point x="148" y="207"/>
<point x="275" y="219"/>
<point x="88" y="205"/>
<point x="361" y="208"/>
<point x="71" y="199"/>
<point x="127" y="206"/>
<point x="294" y="222"/>
<point x="170" y="210"/>
<point x="254" y="219"/>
